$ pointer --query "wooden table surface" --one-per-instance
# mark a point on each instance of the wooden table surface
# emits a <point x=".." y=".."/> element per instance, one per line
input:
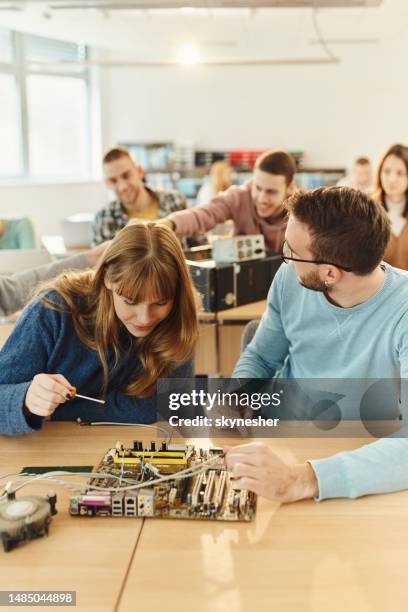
<point x="335" y="555"/>
<point x="87" y="556"/>
<point x="248" y="312"/>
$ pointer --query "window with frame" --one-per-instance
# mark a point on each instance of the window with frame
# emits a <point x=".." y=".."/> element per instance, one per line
<point x="44" y="119"/>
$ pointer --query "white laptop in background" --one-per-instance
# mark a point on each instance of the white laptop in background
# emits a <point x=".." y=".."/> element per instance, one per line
<point x="77" y="230"/>
<point x="17" y="260"/>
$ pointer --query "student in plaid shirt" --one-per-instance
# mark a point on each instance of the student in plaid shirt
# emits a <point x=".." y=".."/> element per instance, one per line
<point x="134" y="199"/>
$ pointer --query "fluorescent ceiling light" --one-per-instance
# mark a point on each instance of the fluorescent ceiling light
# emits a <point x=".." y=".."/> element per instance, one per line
<point x="188" y="54"/>
<point x="122" y="63"/>
<point x="206" y="4"/>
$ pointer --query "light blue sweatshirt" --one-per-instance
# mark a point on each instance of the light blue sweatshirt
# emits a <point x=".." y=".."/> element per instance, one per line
<point x="303" y="335"/>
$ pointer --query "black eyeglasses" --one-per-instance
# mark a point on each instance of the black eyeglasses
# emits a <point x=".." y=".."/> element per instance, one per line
<point x="287" y="257"/>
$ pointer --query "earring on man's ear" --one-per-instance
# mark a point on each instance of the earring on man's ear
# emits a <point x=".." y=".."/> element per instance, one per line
<point x="327" y="284"/>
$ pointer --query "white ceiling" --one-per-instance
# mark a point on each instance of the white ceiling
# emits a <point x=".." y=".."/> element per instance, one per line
<point x="168" y="4"/>
<point x="245" y="33"/>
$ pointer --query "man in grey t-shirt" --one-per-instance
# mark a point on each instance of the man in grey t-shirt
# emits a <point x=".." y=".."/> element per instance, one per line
<point x="16" y="289"/>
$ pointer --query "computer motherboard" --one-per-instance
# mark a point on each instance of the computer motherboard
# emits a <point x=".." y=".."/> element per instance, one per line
<point x="172" y="481"/>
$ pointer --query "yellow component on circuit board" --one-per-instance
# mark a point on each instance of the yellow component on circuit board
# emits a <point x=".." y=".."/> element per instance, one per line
<point x="158" y="457"/>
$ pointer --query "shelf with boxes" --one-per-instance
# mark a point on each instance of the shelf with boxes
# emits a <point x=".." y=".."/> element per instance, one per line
<point x="172" y="166"/>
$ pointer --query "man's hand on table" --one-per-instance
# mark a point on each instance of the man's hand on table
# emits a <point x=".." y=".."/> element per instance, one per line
<point x="258" y="469"/>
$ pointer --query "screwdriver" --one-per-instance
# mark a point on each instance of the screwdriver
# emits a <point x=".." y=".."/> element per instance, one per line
<point x="74" y="394"/>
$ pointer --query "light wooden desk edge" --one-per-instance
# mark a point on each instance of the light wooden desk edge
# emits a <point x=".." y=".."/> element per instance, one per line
<point x="337" y="555"/>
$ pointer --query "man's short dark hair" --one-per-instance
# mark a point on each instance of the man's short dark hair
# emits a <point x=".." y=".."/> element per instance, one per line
<point x="115" y="154"/>
<point x="362" y="161"/>
<point x="346" y="226"/>
<point x="277" y="161"/>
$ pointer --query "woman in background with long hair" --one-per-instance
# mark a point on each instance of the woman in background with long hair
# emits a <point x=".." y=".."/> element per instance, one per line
<point x="392" y="193"/>
<point x="219" y="180"/>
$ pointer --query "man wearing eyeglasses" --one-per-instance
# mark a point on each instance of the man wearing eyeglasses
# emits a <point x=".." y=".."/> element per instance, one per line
<point x="335" y="311"/>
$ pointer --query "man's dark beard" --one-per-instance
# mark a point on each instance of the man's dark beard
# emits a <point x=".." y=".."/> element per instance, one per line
<point x="313" y="282"/>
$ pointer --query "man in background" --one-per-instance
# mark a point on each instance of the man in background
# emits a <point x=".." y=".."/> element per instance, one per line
<point x="255" y="207"/>
<point x="361" y="176"/>
<point x="134" y="199"/>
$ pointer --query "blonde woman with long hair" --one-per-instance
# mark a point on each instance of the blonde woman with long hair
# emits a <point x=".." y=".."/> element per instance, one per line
<point x="108" y="334"/>
<point x="221" y="177"/>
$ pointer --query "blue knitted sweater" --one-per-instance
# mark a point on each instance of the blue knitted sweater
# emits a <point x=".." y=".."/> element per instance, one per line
<point x="45" y="341"/>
